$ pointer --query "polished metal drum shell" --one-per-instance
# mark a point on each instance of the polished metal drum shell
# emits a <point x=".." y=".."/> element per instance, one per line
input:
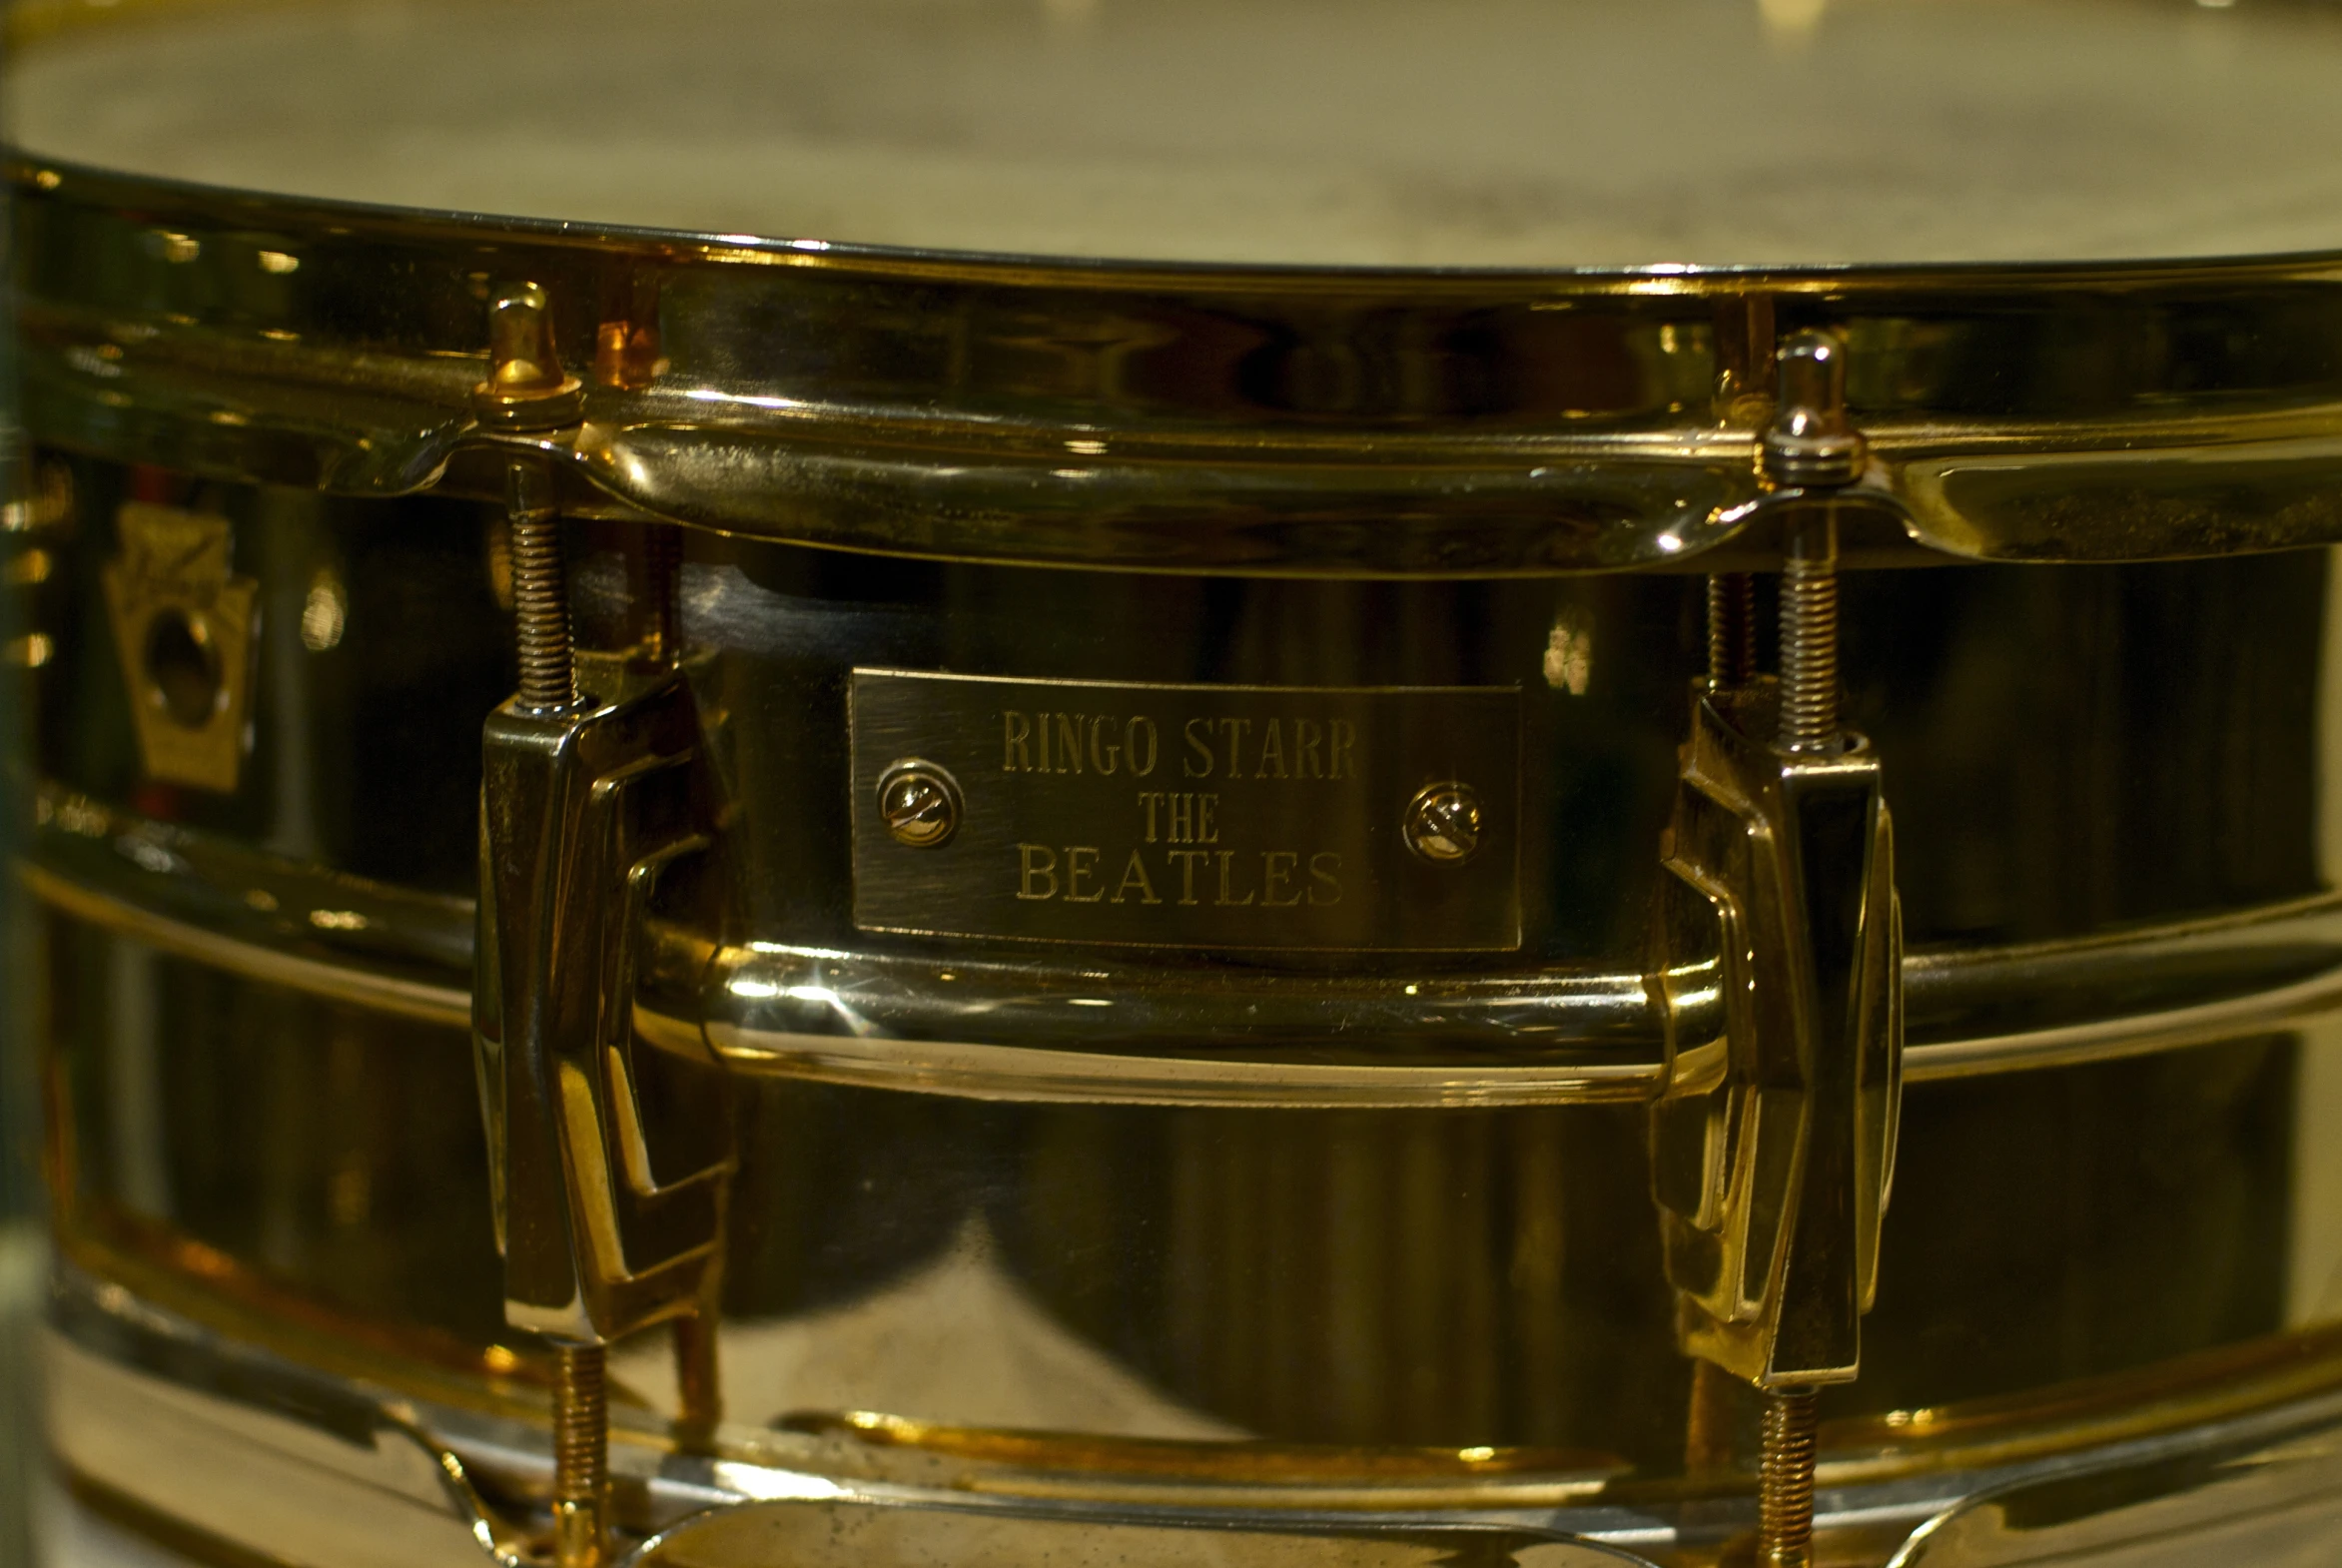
<point x="1141" y="1229"/>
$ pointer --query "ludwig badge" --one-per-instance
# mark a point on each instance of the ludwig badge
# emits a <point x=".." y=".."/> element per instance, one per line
<point x="183" y="626"/>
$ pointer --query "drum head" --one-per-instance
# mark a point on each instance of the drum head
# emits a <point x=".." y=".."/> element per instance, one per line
<point x="1462" y="133"/>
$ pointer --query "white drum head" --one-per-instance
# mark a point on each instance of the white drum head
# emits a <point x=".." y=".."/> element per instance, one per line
<point x="1416" y="132"/>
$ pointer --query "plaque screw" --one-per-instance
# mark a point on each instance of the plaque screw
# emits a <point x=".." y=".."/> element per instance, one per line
<point x="1443" y="823"/>
<point x="921" y="804"/>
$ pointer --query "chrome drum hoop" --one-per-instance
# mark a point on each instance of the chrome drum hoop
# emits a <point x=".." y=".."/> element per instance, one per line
<point x="879" y="435"/>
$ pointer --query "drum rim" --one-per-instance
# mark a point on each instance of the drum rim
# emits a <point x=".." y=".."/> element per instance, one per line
<point x="2266" y="1383"/>
<point x="29" y="166"/>
<point x="1199" y="480"/>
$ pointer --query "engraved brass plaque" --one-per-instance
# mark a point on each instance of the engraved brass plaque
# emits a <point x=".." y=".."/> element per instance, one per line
<point x="1213" y="817"/>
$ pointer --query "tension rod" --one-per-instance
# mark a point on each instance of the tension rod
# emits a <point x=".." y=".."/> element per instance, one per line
<point x="548" y="683"/>
<point x="540" y="598"/>
<point x="1809" y="444"/>
<point x="527" y="391"/>
<point x="1808" y="723"/>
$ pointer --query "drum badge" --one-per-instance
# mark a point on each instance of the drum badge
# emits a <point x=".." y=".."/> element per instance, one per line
<point x="183" y="626"/>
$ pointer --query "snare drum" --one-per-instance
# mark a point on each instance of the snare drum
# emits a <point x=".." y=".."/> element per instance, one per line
<point x="1271" y="781"/>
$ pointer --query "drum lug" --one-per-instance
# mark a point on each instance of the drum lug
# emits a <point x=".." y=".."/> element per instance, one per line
<point x="1777" y="972"/>
<point x="612" y="1150"/>
<point x="1779" y="980"/>
<point x="609" y="1137"/>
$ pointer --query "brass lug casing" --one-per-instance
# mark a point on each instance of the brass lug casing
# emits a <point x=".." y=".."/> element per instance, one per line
<point x="611" y="1149"/>
<point x="1778" y="974"/>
